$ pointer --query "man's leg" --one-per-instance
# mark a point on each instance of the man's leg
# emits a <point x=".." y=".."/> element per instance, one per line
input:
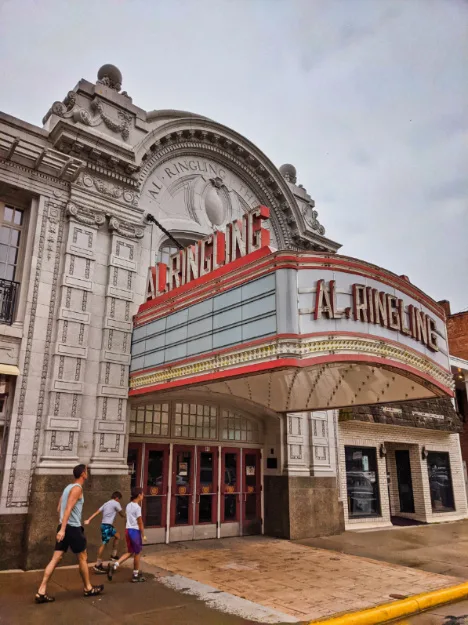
<point x="50" y="568"/>
<point x="84" y="571"/>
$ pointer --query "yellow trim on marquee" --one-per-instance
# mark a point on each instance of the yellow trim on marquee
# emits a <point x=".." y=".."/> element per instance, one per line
<point x="301" y="348"/>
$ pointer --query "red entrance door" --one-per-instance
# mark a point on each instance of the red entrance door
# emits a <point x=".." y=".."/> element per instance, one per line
<point x="182" y="485"/>
<point x="155" y="483"/>
<point x="206" y="507"/>
<point x="230" y="485"/>
<point x="251" y="488"/>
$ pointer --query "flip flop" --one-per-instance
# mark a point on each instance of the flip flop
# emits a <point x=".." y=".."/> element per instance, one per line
<point x="45" y="598"/>
<point x="95" y="590"/>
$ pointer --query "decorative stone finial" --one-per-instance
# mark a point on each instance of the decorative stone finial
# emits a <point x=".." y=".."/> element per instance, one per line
<point x="110" y="76"/>
<point x="289" y="173"/>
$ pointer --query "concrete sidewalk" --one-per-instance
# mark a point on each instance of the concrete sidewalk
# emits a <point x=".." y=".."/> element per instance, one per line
<point x="302" y="582"/>
<point x="122" y="603"/>
<point x="437" y="548"/>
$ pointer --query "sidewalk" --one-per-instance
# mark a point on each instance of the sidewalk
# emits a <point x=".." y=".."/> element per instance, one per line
<point x="302" y="582"/>
<point x="438" y="548"/>
<point x="122" y="603"/>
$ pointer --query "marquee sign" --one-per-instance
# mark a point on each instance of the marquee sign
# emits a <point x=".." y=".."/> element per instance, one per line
<point x="370" y="305"/>
<point x="240" y="238"/>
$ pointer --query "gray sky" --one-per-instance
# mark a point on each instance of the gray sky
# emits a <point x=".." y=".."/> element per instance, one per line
<point x="367" y="98"/>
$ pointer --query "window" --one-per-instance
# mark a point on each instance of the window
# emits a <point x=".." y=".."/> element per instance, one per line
<point x="195" y="421"/>
<point x="11" y="222"/>
<point x="362" y="482"/>
<point x="236" y="428"/>
<point x="440" y="481"/>
<point x="152" y="419"/>
<point x="168" y="248"/>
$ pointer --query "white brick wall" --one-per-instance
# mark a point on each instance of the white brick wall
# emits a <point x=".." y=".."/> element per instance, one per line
<point x="358" y="433"/>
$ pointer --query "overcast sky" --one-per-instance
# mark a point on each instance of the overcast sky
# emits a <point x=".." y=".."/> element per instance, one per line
<point x="367" y="98"/>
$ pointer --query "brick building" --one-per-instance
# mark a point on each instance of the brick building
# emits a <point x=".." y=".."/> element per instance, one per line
<point x="457" y="332"/>
<point x="226" y="395"/>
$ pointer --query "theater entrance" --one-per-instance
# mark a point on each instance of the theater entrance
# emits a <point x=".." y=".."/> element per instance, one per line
<point x="197" y="491"/>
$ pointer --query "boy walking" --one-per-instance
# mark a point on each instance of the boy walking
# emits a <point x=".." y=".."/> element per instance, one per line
<point x="134" y="535"/>
<point x="109" y="510"/>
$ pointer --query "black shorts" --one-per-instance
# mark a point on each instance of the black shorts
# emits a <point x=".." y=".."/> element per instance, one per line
<point x="74" y="538"/>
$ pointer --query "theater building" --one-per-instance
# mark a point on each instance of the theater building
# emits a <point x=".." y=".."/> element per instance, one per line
<point x="173" y="314"/>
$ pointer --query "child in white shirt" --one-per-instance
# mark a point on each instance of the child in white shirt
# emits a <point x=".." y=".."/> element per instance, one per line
<point x="109" y="511"/>
<point x="134" y="534"/>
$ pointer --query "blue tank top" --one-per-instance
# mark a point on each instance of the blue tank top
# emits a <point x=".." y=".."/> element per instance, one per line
<point x="75" y="516"/>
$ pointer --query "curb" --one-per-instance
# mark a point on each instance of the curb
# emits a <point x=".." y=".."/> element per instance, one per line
<point x="388" y="612"/>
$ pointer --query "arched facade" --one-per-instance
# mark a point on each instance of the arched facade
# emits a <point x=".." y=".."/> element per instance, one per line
<point x="251" y="406"/>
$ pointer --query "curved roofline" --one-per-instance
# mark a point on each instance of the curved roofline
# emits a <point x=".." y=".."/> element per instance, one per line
<point x="173" y="113"/>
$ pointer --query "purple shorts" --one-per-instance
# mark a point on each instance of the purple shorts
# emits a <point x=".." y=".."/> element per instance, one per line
<point x="134" y="542"/>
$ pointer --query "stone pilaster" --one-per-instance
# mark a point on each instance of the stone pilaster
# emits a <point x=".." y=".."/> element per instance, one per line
<point x="72" y="360"/>
<point x="111" y="425"/>
<point x="297" y="444"/>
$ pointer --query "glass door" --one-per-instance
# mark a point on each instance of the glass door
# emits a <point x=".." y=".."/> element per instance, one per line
<point x="182" y="493"/>
<point x="230" y="492"/>
<point x="155" y="485"/>
<point x="134" y="464"/>
<point x="405" y="484"/>
<point x="206" y="502"/>
<point x="251" y="488"/>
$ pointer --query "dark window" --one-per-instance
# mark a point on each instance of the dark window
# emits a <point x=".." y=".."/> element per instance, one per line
<point x="362" y="481"/>
<point x="440" y="481"/>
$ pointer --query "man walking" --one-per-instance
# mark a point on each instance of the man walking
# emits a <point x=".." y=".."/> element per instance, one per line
<point x="70" y="533"/>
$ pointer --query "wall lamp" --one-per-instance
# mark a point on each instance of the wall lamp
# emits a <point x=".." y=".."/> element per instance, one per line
<point x="382" y="451"/>
<point x="424" y="453"/>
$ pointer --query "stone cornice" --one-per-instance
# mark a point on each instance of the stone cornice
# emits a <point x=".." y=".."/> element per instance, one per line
<point x="126" y="229"/>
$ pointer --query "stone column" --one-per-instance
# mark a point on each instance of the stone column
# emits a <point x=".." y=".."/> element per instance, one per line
<point x="110" y="428"/>
<point x="74" y="366"/>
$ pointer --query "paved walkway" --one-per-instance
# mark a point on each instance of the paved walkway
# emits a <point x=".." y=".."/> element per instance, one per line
<point x="439" y="548"/>
<point x="302" y="582"/>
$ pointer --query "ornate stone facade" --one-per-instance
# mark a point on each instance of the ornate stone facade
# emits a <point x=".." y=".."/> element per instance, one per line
<point x="85" y="183"/>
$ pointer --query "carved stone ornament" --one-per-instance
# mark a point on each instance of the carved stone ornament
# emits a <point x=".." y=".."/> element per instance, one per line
<point x="126" y="229"/>
<point x="69" y="109"/>
<point x="85" y="215"/>
<point x="62" y="109"/>
<point x="109" y="189"/>
<point x="310" y="217"/>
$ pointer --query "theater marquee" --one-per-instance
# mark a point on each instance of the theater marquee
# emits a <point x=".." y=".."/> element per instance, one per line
<point x="371" y="305"/>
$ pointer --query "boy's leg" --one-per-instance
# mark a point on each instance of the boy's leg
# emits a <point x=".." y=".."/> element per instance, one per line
<point x="50" y="568"/>
<point x="99" y="553"/>
<point x="111" y="569"/>
<point x="114" y="546"/>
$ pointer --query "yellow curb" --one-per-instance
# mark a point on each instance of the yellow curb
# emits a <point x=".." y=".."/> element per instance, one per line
<point x="399" y="609"/>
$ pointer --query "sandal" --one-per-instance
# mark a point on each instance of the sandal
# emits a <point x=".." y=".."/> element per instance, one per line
<point x="95" y="590"/>
<point x="45" y="598"/>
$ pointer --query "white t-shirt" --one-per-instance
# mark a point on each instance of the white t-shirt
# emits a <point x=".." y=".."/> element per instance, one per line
<point x="109" y="510"/>
<point x="133" y="511"/>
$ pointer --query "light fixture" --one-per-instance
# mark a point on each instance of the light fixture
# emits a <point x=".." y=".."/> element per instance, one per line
<point x="382" y="450"/>
<point x="424" y="453"/>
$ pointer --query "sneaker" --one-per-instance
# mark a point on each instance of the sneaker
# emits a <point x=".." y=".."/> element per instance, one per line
<point x="115" y="558"/>
<point x="100" y="569"/>
<point x="111" y="569"/>
<point x="138" y="578"/>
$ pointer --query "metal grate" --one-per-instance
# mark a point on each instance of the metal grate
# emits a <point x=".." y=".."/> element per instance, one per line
<point x="8" y="295"/>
